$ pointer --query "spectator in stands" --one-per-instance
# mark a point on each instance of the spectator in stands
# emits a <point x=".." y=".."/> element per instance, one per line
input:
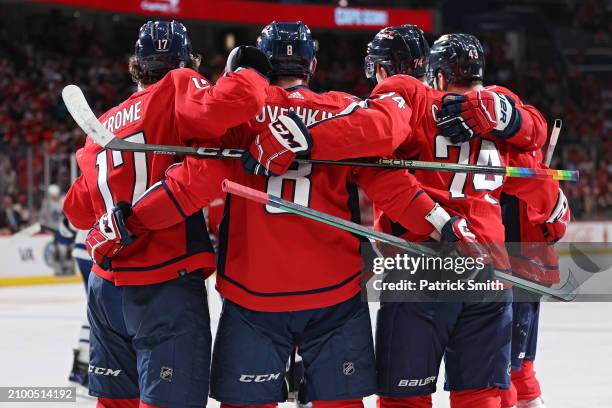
<point x="10" y="219"/>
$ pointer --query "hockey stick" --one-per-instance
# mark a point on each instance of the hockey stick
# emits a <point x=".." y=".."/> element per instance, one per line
<point x="552" y="141"/>
<point x="33" y="230"/>
<point x="566" y="293"/>
<point x="83" y="115"/>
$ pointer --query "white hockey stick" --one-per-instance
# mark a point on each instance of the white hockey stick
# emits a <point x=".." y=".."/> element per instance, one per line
<point x="552" y="141"/>
<point x="28" y="231"/>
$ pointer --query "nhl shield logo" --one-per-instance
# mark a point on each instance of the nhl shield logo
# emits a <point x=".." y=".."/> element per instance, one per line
<point x="166" y="374"/>
<point x="348" y="368"/>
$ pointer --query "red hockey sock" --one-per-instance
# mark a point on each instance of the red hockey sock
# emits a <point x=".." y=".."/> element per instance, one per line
<point x="224" y="405"/>
<point x="355" y="403"/>
<point x="422" y="401"/>
<point x="526" y="383"/>
<point x="509" y="397"/>
<point x="117" y="403"/>
<point x="481" y="398"/>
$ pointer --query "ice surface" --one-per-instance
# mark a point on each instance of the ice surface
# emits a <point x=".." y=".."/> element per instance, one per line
<point x="39" y="326"/>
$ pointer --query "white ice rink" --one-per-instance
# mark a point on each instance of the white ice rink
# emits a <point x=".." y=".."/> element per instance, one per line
<point x="39" y="326"/>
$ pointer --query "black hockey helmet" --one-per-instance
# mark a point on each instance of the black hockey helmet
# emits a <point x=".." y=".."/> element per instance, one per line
<point x="290" y="48"/>
<point x="162" y="46"/>
<point x="460" y="57"/>
<point x="400" y="50"/>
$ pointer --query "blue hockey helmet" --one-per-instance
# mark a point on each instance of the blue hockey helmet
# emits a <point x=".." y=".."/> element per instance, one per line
<point x="400" y="50"/>
<point x="290" y="48"/>
<point x="162" y="46"/>
<point x="460" y="57"/>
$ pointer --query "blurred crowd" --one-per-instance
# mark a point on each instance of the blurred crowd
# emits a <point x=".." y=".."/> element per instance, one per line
<point x="34" y="121"/>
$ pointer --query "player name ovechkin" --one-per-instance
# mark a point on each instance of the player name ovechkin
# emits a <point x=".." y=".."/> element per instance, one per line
<point x="448" y="285"/>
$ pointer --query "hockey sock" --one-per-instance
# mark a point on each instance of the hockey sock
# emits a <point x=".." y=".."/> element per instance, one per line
<point x="481" y="398"/>
<point x="117" y="403"/>
<point x="509" y="397"/>
<point x="526" y="383"/>
<point x="422" y="401"/>
<point x="355" y="403"/>
<point x="224" y="405"/>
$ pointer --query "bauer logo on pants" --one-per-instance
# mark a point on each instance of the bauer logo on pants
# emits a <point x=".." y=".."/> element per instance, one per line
<point x="166" y="374"/>
<point x="348" y="368"/>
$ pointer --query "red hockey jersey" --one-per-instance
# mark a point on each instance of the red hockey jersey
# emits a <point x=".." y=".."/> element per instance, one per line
<point x="472" y="196"/>
<point x="271" y="260"/>
<point x="180" y="109"/>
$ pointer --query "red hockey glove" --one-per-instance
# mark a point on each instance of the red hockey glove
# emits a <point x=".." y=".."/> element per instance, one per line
<point x="109" y="235"/>
<point x="476" y="113"/>
<point x="556" y="225"/>
<point x="455" y="229"/>
<point x="274" y="149"/>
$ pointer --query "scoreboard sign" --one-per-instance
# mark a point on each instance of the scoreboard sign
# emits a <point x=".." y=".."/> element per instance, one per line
<point x="261" y="12"/>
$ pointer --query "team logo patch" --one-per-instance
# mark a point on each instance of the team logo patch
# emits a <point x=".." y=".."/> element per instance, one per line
<point x="348" y="368"/>
<point x="166" y="374"/>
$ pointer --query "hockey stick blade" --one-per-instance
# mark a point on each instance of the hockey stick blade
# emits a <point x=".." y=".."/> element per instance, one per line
<point x="84" y="117"/>
<point x="552" y="141"/>
<point x="566" y="293"/>
<point x="28" y="231"/>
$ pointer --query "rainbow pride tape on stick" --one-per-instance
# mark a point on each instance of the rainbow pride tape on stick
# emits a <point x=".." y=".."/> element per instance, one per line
<point x="561" y="175"/>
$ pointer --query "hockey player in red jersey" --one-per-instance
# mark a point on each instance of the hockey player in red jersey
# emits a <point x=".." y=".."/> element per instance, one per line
<point x="472" y="333"/>
<point x="288" y="281"/>
<point x="150" y="334"/>
<point x="531" y="255"/>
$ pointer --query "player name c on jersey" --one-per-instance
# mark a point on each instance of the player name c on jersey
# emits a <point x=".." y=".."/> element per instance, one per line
<point x="309" y="116"/>
<point x="123" y="117"/>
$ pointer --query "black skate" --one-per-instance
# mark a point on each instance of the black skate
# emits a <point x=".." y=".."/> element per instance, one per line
<point x="79" y="373"/>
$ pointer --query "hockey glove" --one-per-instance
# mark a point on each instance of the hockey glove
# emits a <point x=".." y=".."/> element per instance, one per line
<point x="477" y="113"/>
<point x="556" y="225"/>
<point x="455" y="230"/>
<point x="109" y="235"/>
<point x="247" y="56"/>
<point x="274" y="149"/>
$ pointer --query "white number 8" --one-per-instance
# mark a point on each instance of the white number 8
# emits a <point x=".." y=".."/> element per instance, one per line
<point x="290" y="50"/>
<point x="301" y="193"/>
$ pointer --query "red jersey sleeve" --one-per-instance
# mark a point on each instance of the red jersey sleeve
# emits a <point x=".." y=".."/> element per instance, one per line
<point x="374" y="127"/>
<point x="236" y="98"/>
<point x="534" y="129"/>
<point x="399" y="195"/>
<point x="78" y="207"/>
<point x="540" y="195"/>
<point x="188" y="187"/>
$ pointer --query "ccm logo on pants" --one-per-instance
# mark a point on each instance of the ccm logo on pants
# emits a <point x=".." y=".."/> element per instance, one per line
<point x="248" y="378"/>
<point x="103" y="371"/>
